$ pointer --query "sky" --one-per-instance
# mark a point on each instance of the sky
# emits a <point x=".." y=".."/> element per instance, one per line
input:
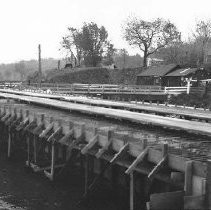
<point x="26" y="23"/>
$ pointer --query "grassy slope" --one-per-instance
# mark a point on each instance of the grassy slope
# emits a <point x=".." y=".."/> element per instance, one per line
<point x="94" y="75"/>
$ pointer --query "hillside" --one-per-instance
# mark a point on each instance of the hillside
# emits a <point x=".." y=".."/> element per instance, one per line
<point x="22" y="69"/>
<point x="94" y="75"/>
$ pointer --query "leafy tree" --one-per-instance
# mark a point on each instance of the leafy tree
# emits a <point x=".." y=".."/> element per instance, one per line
<point x="72" y="43"/>
<point x="90" y="43"/>
<point x="108" y="59"/>
<point x="150" y="36"/>
<point x="123" y="60"/>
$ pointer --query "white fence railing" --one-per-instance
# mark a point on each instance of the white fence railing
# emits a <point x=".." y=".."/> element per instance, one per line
<point x="177" y="90"/>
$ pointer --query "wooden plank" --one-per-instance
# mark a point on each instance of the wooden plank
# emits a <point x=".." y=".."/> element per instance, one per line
<point x="172" y="123"/>
<point x="55" y="133"/>
<point x="103" y="150"/>
<point x="90" y="145"/>
<point x="157" y="167"/>
<point x="46" y="130"/>
<point x="121" y="152"/>
<point x="150" y="108"/>
<point x="139" y="159"/>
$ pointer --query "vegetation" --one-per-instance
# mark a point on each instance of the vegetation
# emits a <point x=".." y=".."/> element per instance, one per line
<point x="191" y="100"/>
<point x="22" y="69"/>
<point x="150" y="36"/>
<point x="88" y="44"/>
<point x="191" y="53"/>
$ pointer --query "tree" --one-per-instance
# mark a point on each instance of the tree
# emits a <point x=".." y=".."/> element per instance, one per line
<point x="149" y="36"/>
<point x="94" y="42"/>
<point x="90" y="43"/>
<point x="20" y="68"/>
<point x="108" y="59"/>
<point x="72" y="43"/>
<point x="202" y="36"/>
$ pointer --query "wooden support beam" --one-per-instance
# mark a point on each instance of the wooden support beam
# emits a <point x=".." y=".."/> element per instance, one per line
<point x="96" y="180"/>
<point x="188" y="178"/>
<point x="9" y="143"/>
<point x="138" y="160"/>
<point x="10" y="119"/>
<point x="160" y="164"/>
<point x="22" y="124"/>
<point x="36" y="168"/>
<point x="47" y="130"/>
<point x="68" y="138"/>
<point x="53" y="158"/>
<point x="51" y="174"/>
<point x="86" y="175"/>
<point x="4" y="119"/>
<point x="121" y="152"/>
<point x="31" y="124"/>
<point x="208" y="194"/>
<point x="51" y="138"/>
<point x="28" y="151"/>
<point x="90" y="144"/>
<point x="157" y="168"/>
<point x="132" y="194"/>
<point x="106" y="147"/>
<point x="103" y="150"/>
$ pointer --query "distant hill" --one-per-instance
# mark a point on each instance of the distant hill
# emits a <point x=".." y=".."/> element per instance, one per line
<point x="27" y="69"/>
<point x="22" y="69"/>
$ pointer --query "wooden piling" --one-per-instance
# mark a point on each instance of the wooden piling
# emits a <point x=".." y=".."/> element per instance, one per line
<point x="208" y="196"/>
<point x="132" y="194"/>
<point x="188" y="178"/>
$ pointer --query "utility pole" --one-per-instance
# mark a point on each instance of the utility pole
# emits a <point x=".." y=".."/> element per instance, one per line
<point x="40" y="67"/>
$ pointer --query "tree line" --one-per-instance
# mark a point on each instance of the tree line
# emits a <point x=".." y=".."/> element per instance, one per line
<point x="89" y="45"/>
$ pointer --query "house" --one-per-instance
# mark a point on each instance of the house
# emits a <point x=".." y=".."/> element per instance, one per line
<point x="155" y="75"/>
<point x="154" y="61"/>
<point x="179" y="77"/>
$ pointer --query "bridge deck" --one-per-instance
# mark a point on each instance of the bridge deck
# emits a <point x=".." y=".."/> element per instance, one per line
<point x="163" y="110"/>
<point x="165" y="122"/>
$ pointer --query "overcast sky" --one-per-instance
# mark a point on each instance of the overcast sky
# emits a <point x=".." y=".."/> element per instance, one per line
<point x="26" y="23"/>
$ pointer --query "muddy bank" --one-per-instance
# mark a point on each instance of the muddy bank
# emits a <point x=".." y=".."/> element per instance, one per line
<point x="21" y="189"/>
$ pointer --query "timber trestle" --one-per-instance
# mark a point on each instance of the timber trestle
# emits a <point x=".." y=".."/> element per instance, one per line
<point x="148" y="172"/>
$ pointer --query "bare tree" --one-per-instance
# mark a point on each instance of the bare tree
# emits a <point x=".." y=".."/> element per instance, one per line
<point x="149" y="36"/>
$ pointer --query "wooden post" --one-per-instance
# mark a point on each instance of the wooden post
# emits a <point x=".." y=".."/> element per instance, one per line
<point x="208" y="196"/>
<point x="164" y="149"/>
<point x="52" y="161"/>
<point x="86" y="174"/>
<point x="35" y="149"/>
<point x="9" y="142"/>
<point x="28" y="150"/>
<point x="132" y="191"/>
<point x="188" y="178"/>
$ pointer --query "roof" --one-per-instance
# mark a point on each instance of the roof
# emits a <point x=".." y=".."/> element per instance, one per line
<point x="182" y="72"/>
<point x="161" y="70"/>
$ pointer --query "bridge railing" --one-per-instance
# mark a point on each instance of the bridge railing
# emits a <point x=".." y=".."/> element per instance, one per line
<point x="77" y="88"/>
<point x="92" y="88"/>
<point x="176" y="90"/>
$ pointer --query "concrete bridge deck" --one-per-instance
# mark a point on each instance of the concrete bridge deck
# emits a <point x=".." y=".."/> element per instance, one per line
<point x="193" y="127"/>
<point x="137" y="107"/>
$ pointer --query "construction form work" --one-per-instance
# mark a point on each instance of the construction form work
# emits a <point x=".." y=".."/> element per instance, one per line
<point x="155" y="175"/>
